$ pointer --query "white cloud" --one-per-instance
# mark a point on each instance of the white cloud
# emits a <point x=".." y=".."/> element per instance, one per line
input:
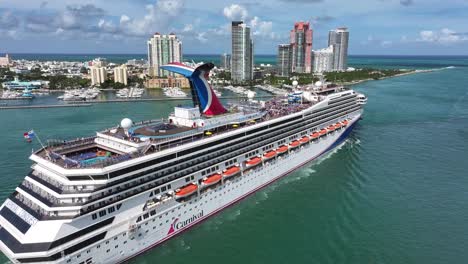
<point x="187" y="28"/>
<point x="158" y="18"/>
<point x="443" y="36"/>
<point x="235" y="12"/>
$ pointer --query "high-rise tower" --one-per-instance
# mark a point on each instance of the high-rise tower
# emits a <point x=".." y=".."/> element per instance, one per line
<point x="163" y="49"/>
<point x="242" y="53"/>
<point x="338" y="38"/>
<point x="301" y="48"/>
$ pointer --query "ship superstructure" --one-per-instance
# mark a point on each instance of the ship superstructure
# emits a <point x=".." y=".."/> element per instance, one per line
<point x="107" y="198"/>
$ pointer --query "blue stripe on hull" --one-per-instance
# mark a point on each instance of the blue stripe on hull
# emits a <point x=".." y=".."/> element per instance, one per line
<point x="341" y="138"/>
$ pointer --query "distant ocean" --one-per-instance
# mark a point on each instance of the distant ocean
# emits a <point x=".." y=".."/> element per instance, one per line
<point x="358" y="61"/>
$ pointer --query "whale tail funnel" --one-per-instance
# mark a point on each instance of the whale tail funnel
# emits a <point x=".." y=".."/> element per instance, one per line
<point x="203" y="95"/>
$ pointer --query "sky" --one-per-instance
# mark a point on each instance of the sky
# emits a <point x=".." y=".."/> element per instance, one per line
<point x="378" y="27"/>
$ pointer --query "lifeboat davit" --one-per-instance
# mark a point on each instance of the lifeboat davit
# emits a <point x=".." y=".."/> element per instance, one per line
<point x="253" y="162"/>
<point x="212" y="179"/>
<point x="270" y="154"/>
<point x="345" y="123"/>
<point x="323" y="132"/>
<point x="295" y="144"/>
<point x="229" y="172"/>
<point x="315" y="135"/>
<point x="304" y="139"/>
<point x="186" y="190"/>
<point x="331" y="128"/>
<point x="282" y="149"/>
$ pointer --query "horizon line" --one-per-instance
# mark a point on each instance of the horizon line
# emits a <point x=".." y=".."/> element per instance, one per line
<point x="216" y="54"/>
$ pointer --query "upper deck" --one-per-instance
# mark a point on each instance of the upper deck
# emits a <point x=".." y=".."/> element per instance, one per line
<point x="133" y="140"/>
<point x="118" y="144"/>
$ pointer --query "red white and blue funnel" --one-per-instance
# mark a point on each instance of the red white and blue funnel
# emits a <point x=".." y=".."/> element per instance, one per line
<point x="202" y="93"/>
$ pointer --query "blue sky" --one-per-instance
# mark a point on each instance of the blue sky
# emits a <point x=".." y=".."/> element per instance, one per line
<point x="388" y="27"/>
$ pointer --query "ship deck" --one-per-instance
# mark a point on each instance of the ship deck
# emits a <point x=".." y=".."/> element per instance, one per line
<point x="159" y="134"/>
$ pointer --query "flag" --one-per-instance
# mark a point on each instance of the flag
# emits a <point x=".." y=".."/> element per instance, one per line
<point x="29" y="135"/>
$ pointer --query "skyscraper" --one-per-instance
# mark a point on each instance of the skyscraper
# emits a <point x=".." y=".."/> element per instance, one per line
<point x="301" y="47"/>
<point x="338" y="38"/>
<point x="283" y="61"/>
<point x="163" y="49"/>
<point x="120" y="74"/>
<point x="226" y="61"/>
<point x="322" y="60"/>
<point x="242" y="53"/>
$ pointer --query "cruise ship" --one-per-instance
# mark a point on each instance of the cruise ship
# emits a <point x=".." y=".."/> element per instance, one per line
<point x="112" y="196"/>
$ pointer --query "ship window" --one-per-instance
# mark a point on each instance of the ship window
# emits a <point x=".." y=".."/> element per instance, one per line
<point x="168" y="186"/>
<point x="139" y="219"/>
<point x="111" y="209"/>
<point x="163" y="188"/>
<point x="187" y="179"/>
<point x="108" y="250"/>
<point x="151" y="194"/>
<point x="118" y="206"/>
<point x="94" y="216"/>
<point x="102" y="213"/>
<point x="145" y="215"/>
<point x="152" y="212"/>
<point x="156" y="191"/>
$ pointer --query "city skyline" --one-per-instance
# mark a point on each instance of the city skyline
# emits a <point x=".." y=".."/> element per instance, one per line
<point x="384" y="27"/>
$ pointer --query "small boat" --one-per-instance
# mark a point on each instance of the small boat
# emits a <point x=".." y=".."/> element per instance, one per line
<point x="186" y="190"/>
<point x="331" y="128"/>
<point x="304" y="139"/>
<point x="323" y="132"/>
<point x="338" y="125"/>
<point x="345" y="123"/>
<point x="253" y="162"/>
<point x="229" y="172"/>
<point x="282" y="149"/>
<point x="295" y="144"/>
<point x="212" y="179"/>
<point x="315" y="135"/>
<point x="270" y="154"/>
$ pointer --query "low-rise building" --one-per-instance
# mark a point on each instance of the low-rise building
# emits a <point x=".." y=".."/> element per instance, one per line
<point x="98" y="75"/>
<point x="5" y="61"/>
<point x="120" y="74"/>
<point x="170" y="81"/>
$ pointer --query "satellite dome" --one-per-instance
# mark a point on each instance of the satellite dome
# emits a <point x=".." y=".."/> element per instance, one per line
<point x="295" y="83"/>
<point x="318" y="83"/>
<point x="126" y="123"/>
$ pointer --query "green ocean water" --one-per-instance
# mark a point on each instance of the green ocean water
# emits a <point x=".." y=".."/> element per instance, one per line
<point x="394" y="192"/>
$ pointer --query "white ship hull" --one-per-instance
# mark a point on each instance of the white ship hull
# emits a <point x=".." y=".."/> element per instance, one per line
<point x="174" y="220"/>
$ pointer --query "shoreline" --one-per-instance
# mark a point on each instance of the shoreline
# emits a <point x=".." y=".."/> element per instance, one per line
<point x="410" y="72"/>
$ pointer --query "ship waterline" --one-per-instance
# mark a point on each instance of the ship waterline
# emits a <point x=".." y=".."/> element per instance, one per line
<point x="107" y="198"/>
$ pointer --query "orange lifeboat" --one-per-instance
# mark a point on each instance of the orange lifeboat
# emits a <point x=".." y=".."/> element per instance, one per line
<point x="315" y="135"/>
<point x="345" y="123"/>
<point x="270" y="154"/>
<point x="331" y="128"/>
<point x="186" y="190"/>
<point x="229" y="172"/>
<point x="295" y="144"/>
<point x="338" y="125"/>
<point x="253" y="162"/>
<point x="304" y="139"/>
<point x="212" y="179"/>
<point x="282" y="149"/>
<point x="323" y="132"/>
